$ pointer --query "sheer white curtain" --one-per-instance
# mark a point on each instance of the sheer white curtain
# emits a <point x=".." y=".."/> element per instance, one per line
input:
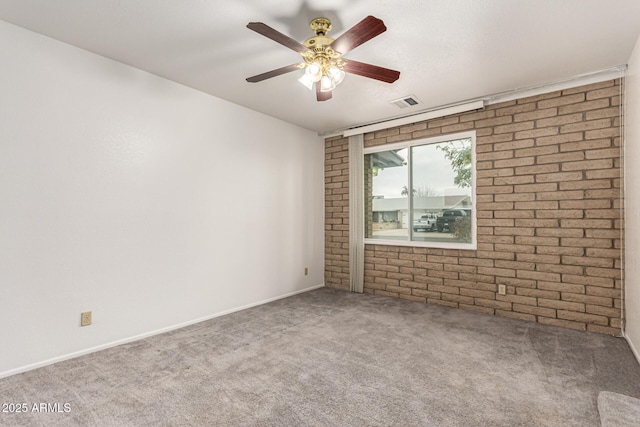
<point x="356" y="213"/>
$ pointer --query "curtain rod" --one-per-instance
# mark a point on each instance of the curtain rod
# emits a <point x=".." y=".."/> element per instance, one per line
<point x="472" y="104"/>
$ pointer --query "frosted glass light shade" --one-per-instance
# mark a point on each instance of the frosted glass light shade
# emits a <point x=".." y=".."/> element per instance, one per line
<point x="314" y="70"/>
<point x="336" y="74"/>
<point x="327" y="84"/>
<point x="307" y="80"/>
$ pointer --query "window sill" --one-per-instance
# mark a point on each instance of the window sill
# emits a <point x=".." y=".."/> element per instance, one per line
<point x="418" y="244"/>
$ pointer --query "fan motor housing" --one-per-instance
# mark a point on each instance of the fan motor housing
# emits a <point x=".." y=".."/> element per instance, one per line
<point x="317" y="42"/>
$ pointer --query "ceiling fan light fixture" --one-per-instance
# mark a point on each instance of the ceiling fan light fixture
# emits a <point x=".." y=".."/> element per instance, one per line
<point x="315" y="71"/>
<point x="307" y="80"/>
<point x="323" y="64"/>
<point x="327" y="84"/>
<point x="336" y="74"/>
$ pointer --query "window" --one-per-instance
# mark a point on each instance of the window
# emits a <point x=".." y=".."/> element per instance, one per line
<point x="422" y="192"/>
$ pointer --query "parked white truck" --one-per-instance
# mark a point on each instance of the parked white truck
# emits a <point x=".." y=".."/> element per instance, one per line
<point x="426" y="222"/>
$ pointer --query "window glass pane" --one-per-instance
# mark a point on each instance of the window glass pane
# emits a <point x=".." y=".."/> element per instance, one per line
<point x="441" y="192"/>
<point x="386" y="195"/>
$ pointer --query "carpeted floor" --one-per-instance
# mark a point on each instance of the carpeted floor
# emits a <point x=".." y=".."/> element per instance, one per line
<point x="333" y="358"/>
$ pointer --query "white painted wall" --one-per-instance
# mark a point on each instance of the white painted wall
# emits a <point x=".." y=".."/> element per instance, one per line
<point x="632" y="200"/>
<point x="147" y="202"/>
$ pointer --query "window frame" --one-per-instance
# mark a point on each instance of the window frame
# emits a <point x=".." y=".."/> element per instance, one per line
<point x="427" y="141"/>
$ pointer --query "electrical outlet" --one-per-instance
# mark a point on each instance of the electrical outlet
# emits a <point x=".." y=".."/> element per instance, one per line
<point x="502" y="289"/>
<point x="85" y="318"/>
<point x="306" y="271"/>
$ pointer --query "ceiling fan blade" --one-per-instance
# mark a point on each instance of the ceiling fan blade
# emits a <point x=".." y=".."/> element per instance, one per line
<point x="276" y="36"/>
<point x="322" y="96"/>
<point x="363" y="31"/>
<point x="273" y="73"/>
<point x="371" y="71"/>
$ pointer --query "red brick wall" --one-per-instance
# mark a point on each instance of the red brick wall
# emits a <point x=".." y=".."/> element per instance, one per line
<point x="548" y="193"/>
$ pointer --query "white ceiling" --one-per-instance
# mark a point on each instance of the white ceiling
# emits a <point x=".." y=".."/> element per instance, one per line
<point x="447" y="51"/>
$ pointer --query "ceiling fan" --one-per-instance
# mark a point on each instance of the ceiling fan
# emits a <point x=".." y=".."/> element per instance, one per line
<point x="323" y="62"/>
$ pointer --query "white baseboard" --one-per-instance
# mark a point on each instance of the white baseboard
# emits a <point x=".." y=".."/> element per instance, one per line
<point x="146" y="335"/>
<point x="633" y="348"/>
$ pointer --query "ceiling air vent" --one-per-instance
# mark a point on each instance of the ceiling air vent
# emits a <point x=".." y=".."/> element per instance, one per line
<point x="406" y="101"/>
